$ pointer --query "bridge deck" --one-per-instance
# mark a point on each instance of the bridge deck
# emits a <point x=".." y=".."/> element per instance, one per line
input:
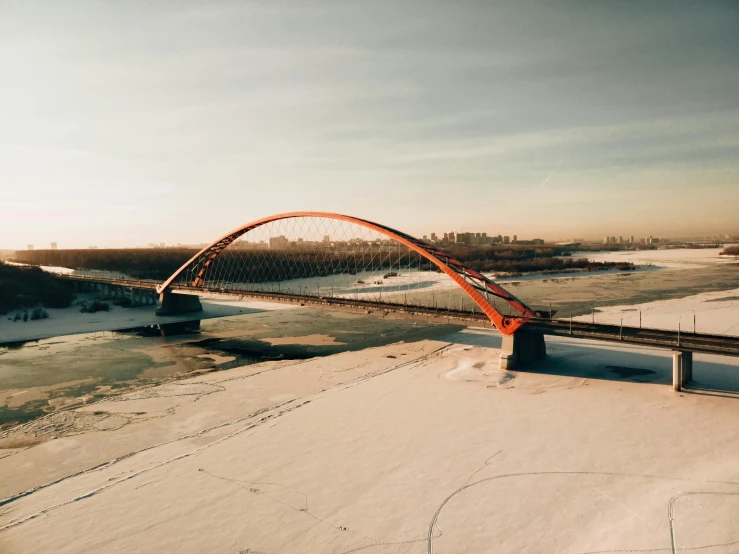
<point x="659" y="338"/>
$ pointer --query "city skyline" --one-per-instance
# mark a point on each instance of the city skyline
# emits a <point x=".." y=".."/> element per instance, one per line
<point x="442" y="238"/>
<point x="175" y="121"/>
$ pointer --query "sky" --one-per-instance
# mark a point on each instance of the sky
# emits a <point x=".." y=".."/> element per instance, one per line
<point x="124" y="123"/>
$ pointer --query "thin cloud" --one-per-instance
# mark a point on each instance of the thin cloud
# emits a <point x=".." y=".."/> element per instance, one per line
<point x="551" y="174"/>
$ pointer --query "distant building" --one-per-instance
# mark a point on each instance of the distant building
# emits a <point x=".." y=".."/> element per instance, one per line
<point x="282" y="242"/>
<point x="515" y="239"/>
<point x="452" y="237"/>
<point x="605" y="240"/>
<point x="162" y="245"/>
<point x="631" y="239"/>
<point x="30" y="246"/>
<point x="506" y="239"/>
<point x="620" y="240"/>
<point x="433" y="237"/>
<point x="92" y="247"/>
<point x="326" y="238"/>
<point x="53" y="246"/>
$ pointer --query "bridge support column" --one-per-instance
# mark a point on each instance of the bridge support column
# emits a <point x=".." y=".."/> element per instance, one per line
<point x="682" y="369"/>
<point x="171" y="303"/>
<point x="522" y="348"/>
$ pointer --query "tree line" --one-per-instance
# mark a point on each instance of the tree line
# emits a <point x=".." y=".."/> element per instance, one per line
<point x="292" y="263"/>
<point x="28" y="287"/>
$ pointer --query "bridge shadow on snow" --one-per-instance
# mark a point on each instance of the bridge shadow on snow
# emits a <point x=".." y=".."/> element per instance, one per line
<point x="712" y="375"/>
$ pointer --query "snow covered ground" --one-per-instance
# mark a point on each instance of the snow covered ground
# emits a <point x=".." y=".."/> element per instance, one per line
<point x="709" y="312"/>
<point x="70" y="321"/>
<point x="418" y="446"/>
<point x="675" y="258"/>
<point x="411" y="447"/>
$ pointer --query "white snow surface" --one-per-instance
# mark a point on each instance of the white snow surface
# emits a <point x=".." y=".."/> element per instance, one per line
<point x="70" y="321"/>
<point x="709" y="312"/>
<point x="675" y="258"/>
<point x="412" y="447"/>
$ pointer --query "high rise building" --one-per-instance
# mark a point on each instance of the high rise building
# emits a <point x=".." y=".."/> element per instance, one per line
<point x="433" y="237"/>
<point x="280" y="242"/>
<point x="506" y="239"/>
<point x="30" y="246"/>
<point x="515" y="239"/>
<point x="53" y="246"/>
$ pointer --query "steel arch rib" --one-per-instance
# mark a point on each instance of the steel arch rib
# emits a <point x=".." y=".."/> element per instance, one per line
<point x="455" y="269"/>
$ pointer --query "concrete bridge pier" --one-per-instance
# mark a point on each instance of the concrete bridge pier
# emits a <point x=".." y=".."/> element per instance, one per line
<point x="682" y="369"/>
<point x="522" y="348"/>
<point x="171" y="303"/>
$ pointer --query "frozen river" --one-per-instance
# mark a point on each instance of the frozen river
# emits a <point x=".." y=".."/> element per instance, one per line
<point x="269" y="428"/>
<point x="681" y="288"/>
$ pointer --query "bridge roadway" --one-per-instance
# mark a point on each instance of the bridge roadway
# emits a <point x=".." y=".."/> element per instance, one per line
<point x="660" y="338"/>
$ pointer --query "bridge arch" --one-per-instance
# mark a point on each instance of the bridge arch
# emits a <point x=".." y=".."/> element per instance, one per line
<point x="473" y="283"/>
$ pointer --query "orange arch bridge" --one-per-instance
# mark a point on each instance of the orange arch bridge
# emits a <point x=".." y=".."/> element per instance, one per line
<point x="475" y="284"/>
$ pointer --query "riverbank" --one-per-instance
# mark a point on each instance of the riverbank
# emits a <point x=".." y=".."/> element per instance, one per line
<point x="412" y="446"/>
<point x="46" y="376"/>
<point x="70" y="321"/>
